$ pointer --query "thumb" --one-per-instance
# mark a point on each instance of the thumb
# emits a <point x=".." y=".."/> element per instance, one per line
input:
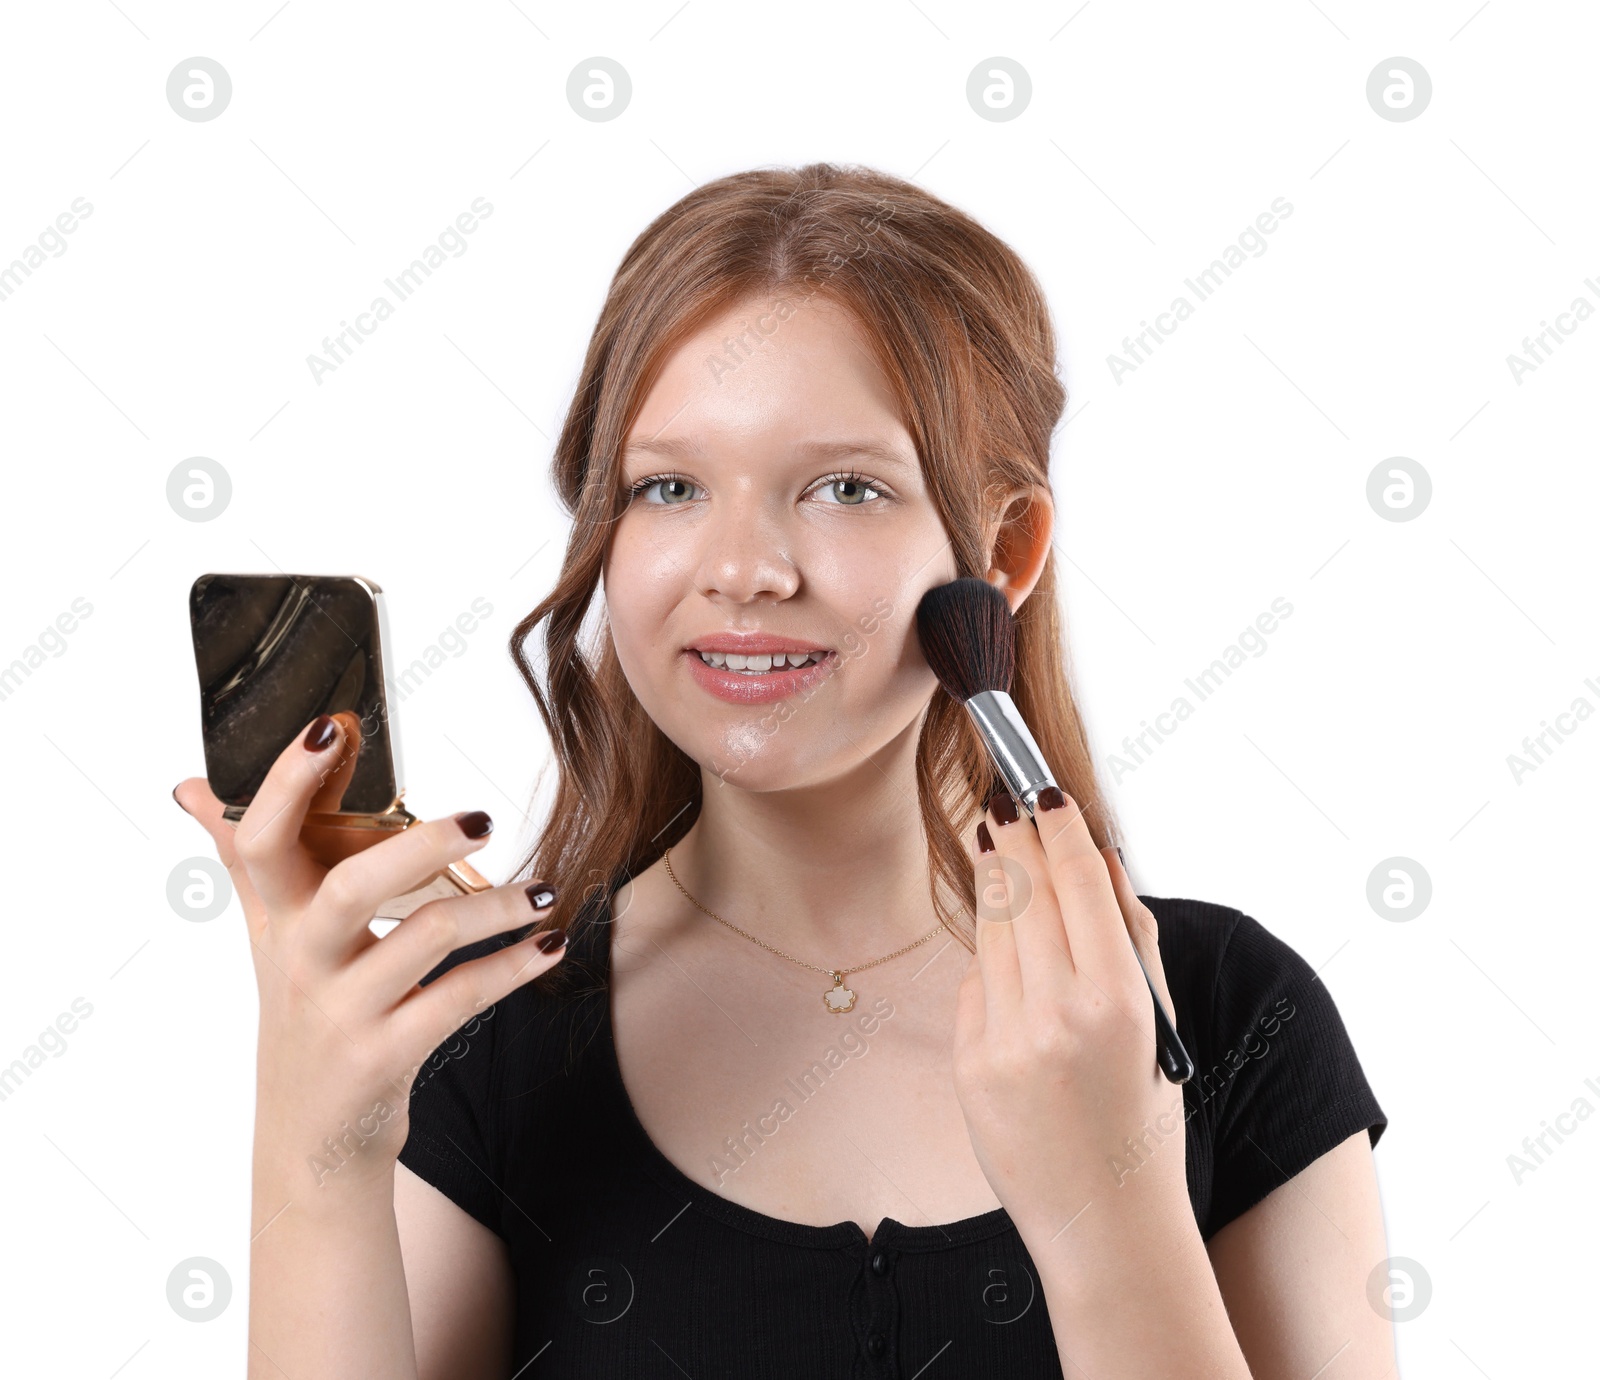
<point x="197" y="800"/>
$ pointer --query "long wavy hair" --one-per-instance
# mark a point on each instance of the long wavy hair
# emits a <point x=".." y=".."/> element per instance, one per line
<point x="962" y="333"/>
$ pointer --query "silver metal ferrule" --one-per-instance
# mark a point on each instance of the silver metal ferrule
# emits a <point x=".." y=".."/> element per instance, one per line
<point x="1000" y="725"/>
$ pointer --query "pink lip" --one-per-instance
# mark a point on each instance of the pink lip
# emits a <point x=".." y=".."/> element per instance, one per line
<point x="738" y="688"/>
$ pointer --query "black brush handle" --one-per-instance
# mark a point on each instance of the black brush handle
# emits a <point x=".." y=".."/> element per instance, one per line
<point x="1170" y="1054"/>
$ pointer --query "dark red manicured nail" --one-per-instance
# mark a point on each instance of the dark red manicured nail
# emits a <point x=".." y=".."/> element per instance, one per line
<point x="551" y="940"/>
<point x="1003" y="808"/>
<point x="321" y="734"/>
<point x="985" y="840"/>
<point x="475" y="824"/>
<point x="541" y="895"/>
<point x="1050" y="798"/>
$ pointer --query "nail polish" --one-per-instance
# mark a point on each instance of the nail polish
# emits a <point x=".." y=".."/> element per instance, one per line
<point x="541" y="895"/>
<point x="1003" y="808"/>
<point x="180" y="803"/>
<point x="475" y="824"/>
<point x="1050" y="798"/>
<point x="551" y="940"/>
<point x="1120" y="858"/>
<point x="985" y="839"/>
<point x="320" y="734"/>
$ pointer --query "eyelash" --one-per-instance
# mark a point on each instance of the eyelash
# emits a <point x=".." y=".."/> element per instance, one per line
<point x="851" y="476"/>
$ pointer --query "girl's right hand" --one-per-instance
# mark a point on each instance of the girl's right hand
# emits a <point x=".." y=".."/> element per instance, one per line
<point x="344" y="1026"/>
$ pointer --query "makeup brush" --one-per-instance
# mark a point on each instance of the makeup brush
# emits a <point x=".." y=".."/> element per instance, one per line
<point x="969" y="639"/>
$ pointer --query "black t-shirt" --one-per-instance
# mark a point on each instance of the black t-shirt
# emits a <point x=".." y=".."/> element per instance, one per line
<point x="626" y="1267"/>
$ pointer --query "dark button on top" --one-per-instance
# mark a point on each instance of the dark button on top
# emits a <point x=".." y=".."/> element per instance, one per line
<point x="875" y="1345"/>
<point x="880" y="1264"/>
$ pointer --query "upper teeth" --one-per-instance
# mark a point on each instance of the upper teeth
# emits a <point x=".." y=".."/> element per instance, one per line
<point x="732" y="661"/>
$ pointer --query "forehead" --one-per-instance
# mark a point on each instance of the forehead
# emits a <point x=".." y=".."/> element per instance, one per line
<point x="768" y="369"/>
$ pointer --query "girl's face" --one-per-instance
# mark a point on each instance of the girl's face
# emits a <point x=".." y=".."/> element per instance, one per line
<point x="778" y="506"/>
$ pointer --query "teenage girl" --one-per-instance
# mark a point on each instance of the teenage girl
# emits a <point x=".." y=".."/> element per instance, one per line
<point x="801" y="1054"/>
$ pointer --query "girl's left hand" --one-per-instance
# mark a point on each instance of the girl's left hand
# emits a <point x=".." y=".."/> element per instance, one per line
<point x="1055" y="1054"/>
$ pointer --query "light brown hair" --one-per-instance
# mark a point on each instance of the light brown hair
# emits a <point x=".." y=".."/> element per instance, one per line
<point x="962" y="332"/>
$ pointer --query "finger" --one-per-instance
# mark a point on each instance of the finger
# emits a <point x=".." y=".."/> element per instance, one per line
<point x="1043" y="952"/>
<point x="1141" y="927"/>
<point x="354" y="889"/>
<point x="393" y="966"/>
<point x="268" y="837"/>
<point x="1096" y="932"/>
<point x="998" y="965"/>
<point x="330" y="794"/>
<point x="428" y="1017"/>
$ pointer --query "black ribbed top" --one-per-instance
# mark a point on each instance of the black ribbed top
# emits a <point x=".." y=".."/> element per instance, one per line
<point x="627" y="1268"/>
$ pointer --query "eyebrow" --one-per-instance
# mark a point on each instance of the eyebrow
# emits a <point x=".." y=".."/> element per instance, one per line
<point x="686" y="448"/>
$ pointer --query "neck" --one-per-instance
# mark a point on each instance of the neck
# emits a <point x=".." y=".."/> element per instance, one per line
<point x="834" y="874"/>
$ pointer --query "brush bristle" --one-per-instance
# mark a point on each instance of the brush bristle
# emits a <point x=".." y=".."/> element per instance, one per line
<point x="968" y="637"/>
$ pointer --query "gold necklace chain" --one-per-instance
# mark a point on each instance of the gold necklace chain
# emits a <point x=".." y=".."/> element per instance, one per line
<point x="837" y="998"/>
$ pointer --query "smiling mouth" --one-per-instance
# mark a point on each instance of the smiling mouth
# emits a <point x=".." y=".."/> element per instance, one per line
<point x="764" y="664"/>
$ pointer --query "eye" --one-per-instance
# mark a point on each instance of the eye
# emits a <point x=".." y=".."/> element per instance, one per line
<point x="675" y="482"/>
<point x="850" y="490"/>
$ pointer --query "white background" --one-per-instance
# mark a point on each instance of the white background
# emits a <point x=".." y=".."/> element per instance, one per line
<point x="1229" y="470"/>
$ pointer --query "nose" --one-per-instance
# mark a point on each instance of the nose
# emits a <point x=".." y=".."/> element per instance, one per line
<point x="746" y="554"/>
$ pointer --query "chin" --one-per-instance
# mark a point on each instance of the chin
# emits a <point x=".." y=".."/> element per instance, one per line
<point x="753" y="761"/>
<point x="758" y="755"/>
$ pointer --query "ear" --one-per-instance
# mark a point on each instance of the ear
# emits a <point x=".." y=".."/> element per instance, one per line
<point x="1026" y="523"/>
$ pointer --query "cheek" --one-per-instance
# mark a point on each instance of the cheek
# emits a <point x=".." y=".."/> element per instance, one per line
<point x="881" y="667"/>
<point x="629" y="594"/>
<point x="642" y="581"/>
